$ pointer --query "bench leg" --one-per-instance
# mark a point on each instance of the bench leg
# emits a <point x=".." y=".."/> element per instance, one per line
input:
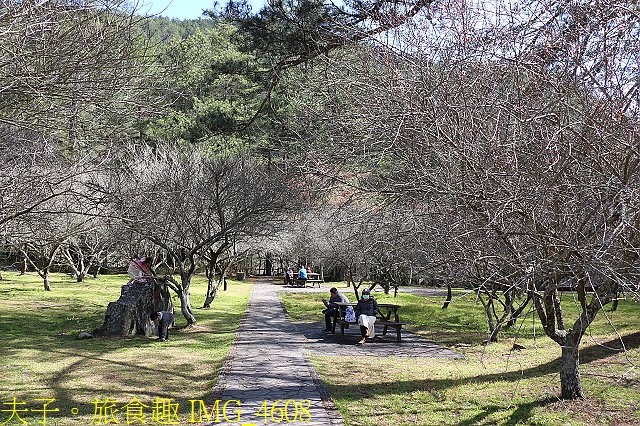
<point x="398" y="328"/>
<point x="384" y="332"/>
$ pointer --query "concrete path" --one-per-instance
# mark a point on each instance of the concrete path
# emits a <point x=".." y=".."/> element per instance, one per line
<point x="267" y="363"/>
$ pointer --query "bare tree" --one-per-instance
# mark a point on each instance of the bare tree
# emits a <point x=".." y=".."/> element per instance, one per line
<point x="88" y="250"/>
<point x="61" y="61"/>
<point x="68" y="72"/>
<point x="39" y="238"/>
<point x="515" y="132"/>
<point x="190" y="202"/>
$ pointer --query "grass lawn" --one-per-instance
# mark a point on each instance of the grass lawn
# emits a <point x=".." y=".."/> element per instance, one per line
<point x="42" y="359"/>
<point x="493" y="385"/>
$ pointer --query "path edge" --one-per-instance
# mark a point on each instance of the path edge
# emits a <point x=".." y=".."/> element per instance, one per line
<point x="218" y="389"/>
<point x="330" y="407"/>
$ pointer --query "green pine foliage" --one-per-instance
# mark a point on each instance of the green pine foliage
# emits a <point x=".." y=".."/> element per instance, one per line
<point x="214" y="88"/>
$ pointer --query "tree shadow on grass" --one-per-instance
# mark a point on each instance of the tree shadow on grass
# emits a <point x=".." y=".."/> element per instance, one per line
<point x="521" y="414"/>
<point x="587" y="355"/>
<point x="94" y="369"/>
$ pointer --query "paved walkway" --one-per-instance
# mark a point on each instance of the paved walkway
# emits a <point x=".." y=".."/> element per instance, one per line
<point x="267" y="363"/>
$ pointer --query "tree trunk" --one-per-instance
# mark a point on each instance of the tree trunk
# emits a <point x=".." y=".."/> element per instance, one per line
<point x="185" y="299"/>
<point x="449" y="297"/>
<point x="81" y="272"/>
<point x="84" y="268"/>
<point x="515" y="313"/>
<point x="614" y="305"/>
<point x="268" y="263"/>
<point x="569" y="374"/>
<point x="23" y="266"/>
<point x="493" y="337"/>
<point x="96" y="273"/>
<point x="212" y="290"/>
<point x="185" y="307"/>
<point x="66" y="252"/>
<point x="493" y="328"/>
<point x="45" y="279"/>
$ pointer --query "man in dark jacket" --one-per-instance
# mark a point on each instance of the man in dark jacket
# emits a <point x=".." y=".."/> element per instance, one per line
<point x="163" y="320"/>
<point x="329" y="312"/>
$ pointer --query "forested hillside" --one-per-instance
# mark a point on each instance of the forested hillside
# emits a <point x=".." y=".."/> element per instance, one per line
<point x="166" y="30"/>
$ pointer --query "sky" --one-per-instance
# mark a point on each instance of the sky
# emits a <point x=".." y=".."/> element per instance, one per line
<point x="181" y="9"/>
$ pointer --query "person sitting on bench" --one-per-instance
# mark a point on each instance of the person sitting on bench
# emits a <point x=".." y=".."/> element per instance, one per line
<point x="366" y="311"/>
<point x="302" y="276"/>
<point x="330" y="311"/>
<point x="288" y="277"/>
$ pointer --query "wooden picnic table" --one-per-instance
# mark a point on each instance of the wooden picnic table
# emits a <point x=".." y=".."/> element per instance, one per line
<point x="313" y="278"/>
<point x="391" y="308"/>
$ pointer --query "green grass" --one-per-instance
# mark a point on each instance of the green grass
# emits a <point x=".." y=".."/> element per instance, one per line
<point x="41" y="357"/>
<point x="492" y="385"/>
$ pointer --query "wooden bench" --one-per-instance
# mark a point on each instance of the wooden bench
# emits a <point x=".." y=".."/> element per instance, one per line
<point x="314" y="282"/>
<point x="394" y="324"/>
<point x="305" y="283"/>
<point x="313" y="278"/>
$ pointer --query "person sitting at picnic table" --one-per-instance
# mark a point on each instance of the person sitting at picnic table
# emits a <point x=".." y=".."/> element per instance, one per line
<point x="288" y="276"/>
<point x="331" y="306"/>
<point x="308" y="269"/>
<point x="302" y="276"/>
<point x="366" y="311"/>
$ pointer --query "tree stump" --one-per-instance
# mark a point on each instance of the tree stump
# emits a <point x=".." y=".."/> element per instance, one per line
<point x="129" y="315"/>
